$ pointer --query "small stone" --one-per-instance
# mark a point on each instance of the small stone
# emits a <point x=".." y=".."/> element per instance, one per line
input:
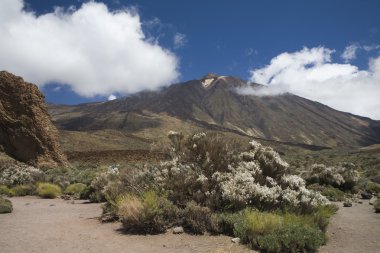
<point x="366" y="195"/>
<point x="178" y="230"/>
<point x="372" y="201"/>
<point x="360" y="202"/>
<point x="235" y="240"/>
<point x="347" y="204"/>
<point x="52" y="205"/>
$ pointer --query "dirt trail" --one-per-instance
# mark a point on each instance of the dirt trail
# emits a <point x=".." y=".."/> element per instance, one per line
<point x="39" y="225"/>
<point x="53" y="226"/>
<point x="354" y="229"/>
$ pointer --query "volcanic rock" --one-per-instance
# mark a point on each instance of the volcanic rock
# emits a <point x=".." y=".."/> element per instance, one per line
<point x="26" y="131"/>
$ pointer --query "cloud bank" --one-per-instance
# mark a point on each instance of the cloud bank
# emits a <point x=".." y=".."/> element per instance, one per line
<point x="92" y="49"/>
<point x="310" y="73"/>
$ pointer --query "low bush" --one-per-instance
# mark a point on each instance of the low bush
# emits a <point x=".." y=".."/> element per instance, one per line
<point x="5" y="191"/>
<point x="23" y="190"/>
<point x="333" y="194"/>
<point x="376" y="206"/>
<point x="48" y="190"/>
<point x="372" y="187"/>
<point x="196" y="218"/>
<point x="86" y="193"/>
<point x="5" y="205"/>
<point x="147" y="214"/>
<point x="254" y="223"/>
<point x="64" y="176"/>
<point x="20" y="173"/>
<point x="283" y="232"/>
<point x="343" y="176"/>
<point x="322" y="215"/>
<point x="75" y="189"/>
<point x="224" y="223"/>
<point x="291" y="238"/>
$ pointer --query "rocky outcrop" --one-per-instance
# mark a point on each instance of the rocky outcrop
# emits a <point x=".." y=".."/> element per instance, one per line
<point x="26" y="130"/>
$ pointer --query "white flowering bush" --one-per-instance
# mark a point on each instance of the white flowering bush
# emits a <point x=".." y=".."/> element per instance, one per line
<point x="222" y="178"/>
<point x="106" y="184"/>
<point x="343" y="176"/>
<point x="19" y="173"/>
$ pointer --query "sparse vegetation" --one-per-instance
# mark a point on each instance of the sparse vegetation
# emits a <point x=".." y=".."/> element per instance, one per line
<point x="22" y="190"/>
<point x="196" y="218"/>
<point x="19" y="173"/>
<point x="5" y="191"/>
<point x="5" y="205"/>
<point x="48" y="190"/>
<point x="149" y="213"/>
<point x="212" y="186"/>
<point x="75" y="190"/>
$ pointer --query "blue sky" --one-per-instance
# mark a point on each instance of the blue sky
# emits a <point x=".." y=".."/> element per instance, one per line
<point x="235" y="37"/>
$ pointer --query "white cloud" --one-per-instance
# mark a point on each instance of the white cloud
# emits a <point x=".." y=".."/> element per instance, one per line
<point x="369" y="48"/>
<point x="92" y="49"/>
<point x="311" y="74"/>
<point x="350" y="53"/>
<point x="250" y="51"/>
<point x="179" y="40"/>
<point x="112" y="97"/>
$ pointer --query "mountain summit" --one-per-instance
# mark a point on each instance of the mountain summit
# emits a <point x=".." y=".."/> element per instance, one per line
<point x="213" y="103"/>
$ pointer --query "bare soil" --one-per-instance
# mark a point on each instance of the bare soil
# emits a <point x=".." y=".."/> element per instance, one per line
<point x="354" y="229"/>
<point x="41" y="225"/>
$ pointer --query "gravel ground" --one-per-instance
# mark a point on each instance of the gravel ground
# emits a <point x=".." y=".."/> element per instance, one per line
<point x="354" y="229"/>
<point x="42" y="225"/>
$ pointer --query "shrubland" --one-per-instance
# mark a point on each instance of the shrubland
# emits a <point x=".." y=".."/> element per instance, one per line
<point x="209" y="185"/>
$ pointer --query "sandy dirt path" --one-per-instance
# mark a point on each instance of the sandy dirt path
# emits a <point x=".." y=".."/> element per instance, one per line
<point x="354" y="229"/>
<point x="39" y="225"/>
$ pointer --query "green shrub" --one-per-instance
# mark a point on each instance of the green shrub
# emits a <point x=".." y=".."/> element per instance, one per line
<point x="149" y="214"/>
<point x="23" y="190"/>
<point x="291" y="238"/>
<point x="276" y="232"/>
<point x="48" y="190"/>
<point x="376" y="206"/>
<point x="333" y="194"/>
<point x="5" y="205"/>
<point x="75" y="189"/>
<point x="322" y="215"/>
<point x="86" y="193"/>
<point x="255" y="223"/>
<point x="196" y="218"/>
<point x="4" y="190"/>
<point x="372" y="187"/>
<point x="224" y="223"/>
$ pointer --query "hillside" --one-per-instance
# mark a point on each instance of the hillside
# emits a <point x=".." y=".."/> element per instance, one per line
<point x="212" y="103"/>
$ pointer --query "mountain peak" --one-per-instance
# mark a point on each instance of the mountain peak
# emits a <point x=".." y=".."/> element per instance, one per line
<point x="209" y="79"/>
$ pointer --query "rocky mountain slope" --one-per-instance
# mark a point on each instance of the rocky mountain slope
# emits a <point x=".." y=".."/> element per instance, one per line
<point x="213" y="103"/>
<point x="26" y="130"/>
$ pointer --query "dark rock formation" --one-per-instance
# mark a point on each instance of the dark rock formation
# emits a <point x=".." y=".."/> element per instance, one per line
<point x="26" y="130"/>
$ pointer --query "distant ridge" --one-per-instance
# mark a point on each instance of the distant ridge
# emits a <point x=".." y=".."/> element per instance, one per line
<point x="213" y="103"/>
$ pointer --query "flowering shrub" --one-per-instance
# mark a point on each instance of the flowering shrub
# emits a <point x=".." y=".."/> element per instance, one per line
<point x="106" y="184"/>
<point x="343" y="176"/>
<point x="227" y="179"/>
<point x="20" y="174"/>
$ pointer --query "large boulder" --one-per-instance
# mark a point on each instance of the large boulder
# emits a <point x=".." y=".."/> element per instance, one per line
<point x="26" y="131"/>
